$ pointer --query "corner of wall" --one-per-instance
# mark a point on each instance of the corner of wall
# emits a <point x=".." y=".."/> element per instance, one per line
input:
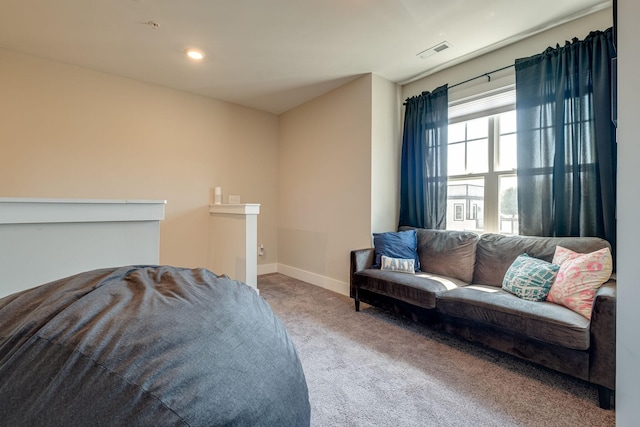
<point x="385" y="154"/>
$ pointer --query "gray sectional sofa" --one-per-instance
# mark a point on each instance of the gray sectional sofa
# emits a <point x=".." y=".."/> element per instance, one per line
<point x="459" y="289"/>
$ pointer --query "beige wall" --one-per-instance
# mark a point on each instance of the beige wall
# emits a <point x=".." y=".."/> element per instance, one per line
<point x="68" y="132"/>
<point x="505" y="56"/>
<point x="386" y="148"/>
<point x="325" y="183"/>
<point x="325" y="173"/>
<point x="340" y="156"/>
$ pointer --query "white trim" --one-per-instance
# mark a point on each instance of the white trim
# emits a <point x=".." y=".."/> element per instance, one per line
<point x="31" y="211"/>
<point x="241" y="209"/>
<point x="267" y="269"/>
<point x="328" y="283"/>
<point x="484" y="104"/>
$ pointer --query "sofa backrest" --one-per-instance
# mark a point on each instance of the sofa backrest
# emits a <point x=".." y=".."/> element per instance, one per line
<point x="447" y="252"/>
<point x="496" y="252"/>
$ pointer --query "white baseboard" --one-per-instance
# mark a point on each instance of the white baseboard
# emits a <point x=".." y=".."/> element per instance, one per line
<point x="315" y="279"/>
<point x="267" y="268"/>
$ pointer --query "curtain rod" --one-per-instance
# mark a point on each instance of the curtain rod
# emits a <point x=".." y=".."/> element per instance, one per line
<point x="487" y="75"/>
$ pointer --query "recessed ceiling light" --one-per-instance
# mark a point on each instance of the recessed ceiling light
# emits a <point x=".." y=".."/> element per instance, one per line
<point x="195" y="54"/>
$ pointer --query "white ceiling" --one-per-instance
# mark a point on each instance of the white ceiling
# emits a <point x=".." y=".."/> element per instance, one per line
<point x="272" y="54"/>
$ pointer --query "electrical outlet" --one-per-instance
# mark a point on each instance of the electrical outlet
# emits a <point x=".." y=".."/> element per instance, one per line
<point x="234" y="200"/>
<point x="261" y="250"/>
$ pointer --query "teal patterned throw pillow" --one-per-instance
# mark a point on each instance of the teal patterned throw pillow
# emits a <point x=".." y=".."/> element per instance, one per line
<point x="530" y="278"/>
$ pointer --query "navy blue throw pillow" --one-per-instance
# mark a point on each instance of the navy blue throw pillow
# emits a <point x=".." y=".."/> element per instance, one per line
<point x="401" y="244"/>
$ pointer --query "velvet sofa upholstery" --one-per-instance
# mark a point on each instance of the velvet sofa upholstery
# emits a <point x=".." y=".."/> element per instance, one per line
<point x="459" y="290"/>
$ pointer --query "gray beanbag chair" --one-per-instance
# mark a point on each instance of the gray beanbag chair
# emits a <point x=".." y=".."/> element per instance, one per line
<point x="147" y="346"/>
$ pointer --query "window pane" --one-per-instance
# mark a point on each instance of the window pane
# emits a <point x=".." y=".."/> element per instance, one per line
<point x="508" y="122"/>
<point x="507" y="153"/>
<point x="456" y="159"/>
<point x="508" y="204"/>
<point x="478" y="156"/>
<point x="478" y="128"/>
<point x="465" y="204"/>
<point x="456" y="132"/>
<point x="473" y="172"/>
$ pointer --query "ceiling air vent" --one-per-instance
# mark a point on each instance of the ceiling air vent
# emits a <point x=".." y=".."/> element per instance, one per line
<point x="434" y="49"/>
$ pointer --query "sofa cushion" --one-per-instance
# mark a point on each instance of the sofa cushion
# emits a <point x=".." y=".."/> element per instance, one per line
<point x="447" y="253"/>
<point x="579" y="278"/>
<point x="530" y="278"/>
<point x="419" y="289"/>
<point x="401" y="244"/>
<point x="496" y="252"/>
<point x="543" y="321"/>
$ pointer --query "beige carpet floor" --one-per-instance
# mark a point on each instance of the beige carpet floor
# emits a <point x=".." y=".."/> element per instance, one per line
<point x="373" y="368"/>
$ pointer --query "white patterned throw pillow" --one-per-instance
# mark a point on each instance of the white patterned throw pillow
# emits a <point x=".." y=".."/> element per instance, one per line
<point x="397" y="264"/>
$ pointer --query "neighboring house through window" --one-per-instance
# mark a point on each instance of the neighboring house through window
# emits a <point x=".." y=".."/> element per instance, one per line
<point x="482" y="183"/>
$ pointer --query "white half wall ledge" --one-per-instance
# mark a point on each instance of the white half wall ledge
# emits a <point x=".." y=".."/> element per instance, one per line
<point x="42" y="211"/>
<point x="42" y="240"/>
<point x="233" y="240"/>
<point x="241" y="209"/>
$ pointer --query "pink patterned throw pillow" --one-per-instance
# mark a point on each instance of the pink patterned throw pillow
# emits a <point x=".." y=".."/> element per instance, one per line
<point x="579" y="278"/>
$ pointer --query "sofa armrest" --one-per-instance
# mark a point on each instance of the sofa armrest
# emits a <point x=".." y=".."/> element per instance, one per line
<point x="602" y="360"/>
<point x="361" y="259"/>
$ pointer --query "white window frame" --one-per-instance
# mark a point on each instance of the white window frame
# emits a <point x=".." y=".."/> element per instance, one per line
<point x="490" y="105"/>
